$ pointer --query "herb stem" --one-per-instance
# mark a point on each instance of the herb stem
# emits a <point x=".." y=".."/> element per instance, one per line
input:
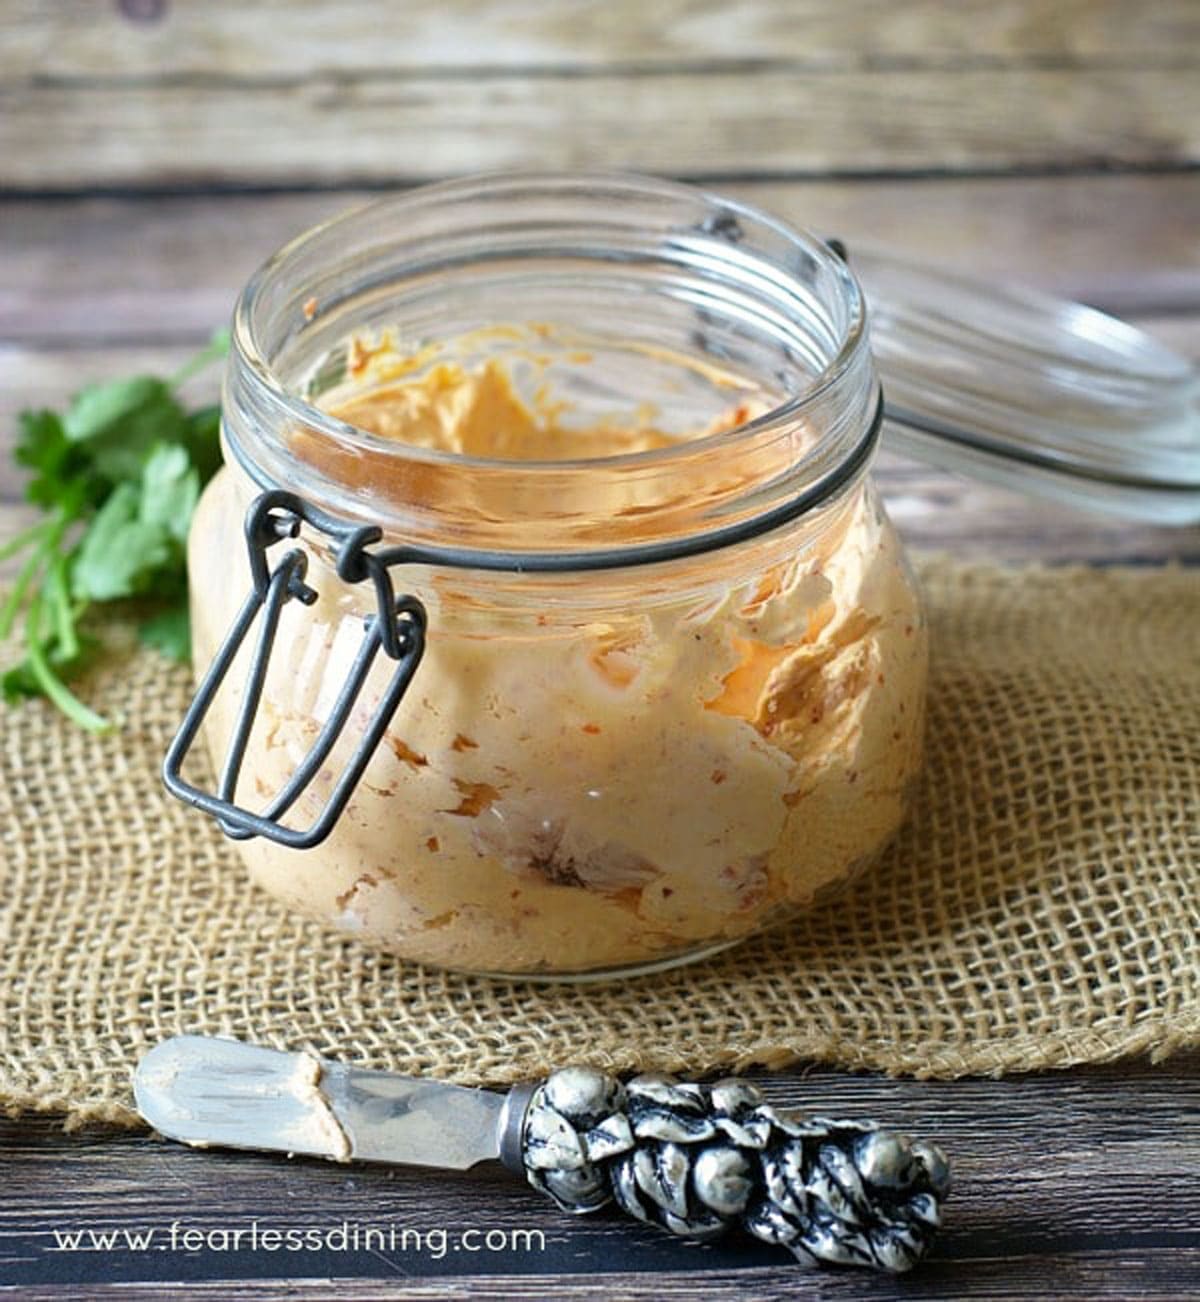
<point x="24" y="538"/>
<point x="45" y="554"/>
<point x="64" y="615"/>
<point x="116" y="476"/>
<point x="217" y="347"/>
<point x="25" y="576"/>
<point x="50" y="683"/>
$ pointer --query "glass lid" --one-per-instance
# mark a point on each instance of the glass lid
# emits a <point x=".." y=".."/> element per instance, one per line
<point x="1037" y="393"/>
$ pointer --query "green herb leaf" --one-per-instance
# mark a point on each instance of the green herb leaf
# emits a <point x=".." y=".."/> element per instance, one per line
<point x="170" y="490"/>
<point x="43" y="447"/>
<point x="119" y="424"/>
<point x="203" y="441"/>
<point x="19" y="682"/>
<point x="169" y="631"/>
<point x="118" y="476"/>
<point x="101" y="408"/>
<point x="119" y="550"/>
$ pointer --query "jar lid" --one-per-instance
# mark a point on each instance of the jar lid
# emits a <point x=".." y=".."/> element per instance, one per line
<point x="1037" y="393"/>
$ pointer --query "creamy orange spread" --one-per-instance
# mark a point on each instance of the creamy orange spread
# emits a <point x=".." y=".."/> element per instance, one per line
<point x="478" y="413"/>
<point x="570" y="792"/>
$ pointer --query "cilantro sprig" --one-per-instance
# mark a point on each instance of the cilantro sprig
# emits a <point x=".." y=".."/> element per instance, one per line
<point x="117" y="476"/>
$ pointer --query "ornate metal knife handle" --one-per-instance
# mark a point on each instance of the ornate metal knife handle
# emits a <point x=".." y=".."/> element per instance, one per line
<point x="699" y="1160"/>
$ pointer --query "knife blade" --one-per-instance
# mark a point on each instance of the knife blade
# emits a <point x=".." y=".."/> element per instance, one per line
<point x="696" y="1160"/>
<point x="206" y="1091"/>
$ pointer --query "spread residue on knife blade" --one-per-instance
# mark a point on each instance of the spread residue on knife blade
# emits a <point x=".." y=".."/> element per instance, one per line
<point x="210" y="1091"/>
<point x="327" y="1134"/>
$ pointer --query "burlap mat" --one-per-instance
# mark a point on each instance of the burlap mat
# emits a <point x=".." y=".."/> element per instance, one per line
<point x="1042" y="908"/>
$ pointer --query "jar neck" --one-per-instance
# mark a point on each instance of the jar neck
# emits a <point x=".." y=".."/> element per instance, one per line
<point x="708" y="276"/>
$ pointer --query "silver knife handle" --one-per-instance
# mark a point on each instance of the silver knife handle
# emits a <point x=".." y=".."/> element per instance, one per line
<point x="699" y="1160"/>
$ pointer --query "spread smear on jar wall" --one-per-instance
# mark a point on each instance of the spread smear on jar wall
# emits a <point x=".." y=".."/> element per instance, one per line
<point x="578" y="783"/>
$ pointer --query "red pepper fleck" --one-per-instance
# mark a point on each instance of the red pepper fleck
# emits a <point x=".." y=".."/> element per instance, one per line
<point x="406" y="753"/>
<point x="476" y="797"/>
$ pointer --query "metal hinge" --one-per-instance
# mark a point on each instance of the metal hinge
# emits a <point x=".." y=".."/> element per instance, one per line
<point x="397" y="627"/>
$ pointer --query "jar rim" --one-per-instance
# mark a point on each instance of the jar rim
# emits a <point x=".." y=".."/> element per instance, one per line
<point x="278" y="287"/>
<point x="245" y="340"/>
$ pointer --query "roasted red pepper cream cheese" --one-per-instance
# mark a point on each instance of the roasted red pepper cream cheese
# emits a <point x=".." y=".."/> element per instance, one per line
<point x="574" y="792"/>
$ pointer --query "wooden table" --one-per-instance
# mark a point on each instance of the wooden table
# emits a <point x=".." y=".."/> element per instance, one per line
<point x="152" y="154"/>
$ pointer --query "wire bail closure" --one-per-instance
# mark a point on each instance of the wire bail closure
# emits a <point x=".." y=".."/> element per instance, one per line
<point x="397" y="628"/>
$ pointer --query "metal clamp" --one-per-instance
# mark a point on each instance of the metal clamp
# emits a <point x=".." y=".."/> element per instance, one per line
<point x="397" y="627"/>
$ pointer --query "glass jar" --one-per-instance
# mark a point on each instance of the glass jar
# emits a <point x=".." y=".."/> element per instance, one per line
<point x="657" y="677"/>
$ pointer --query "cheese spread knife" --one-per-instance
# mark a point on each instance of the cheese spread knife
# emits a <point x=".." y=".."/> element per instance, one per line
<point x="696" y="1160"/>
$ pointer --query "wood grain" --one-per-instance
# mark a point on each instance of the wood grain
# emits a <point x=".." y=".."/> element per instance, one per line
<point x="86" y="285"/>
<point x="1089" y="1276"/>
<point x="911" y="123"/>
<point x="131" y="270"/>
<point x="323" y="130"/>
<point x="934" y="510"/>
<point x="1061" y="1181"/>
<point x="299" y="38"/>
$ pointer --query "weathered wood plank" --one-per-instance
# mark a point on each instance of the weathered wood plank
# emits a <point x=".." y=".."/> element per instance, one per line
<point x="1084" y="1179"/>
<point x="390" y="128"/>
<point x="1127" y="244"/>
<point x="1100" y="1276"/>
<point x="117" y="270"/>
<point x="1157" y="1275"/>
<point x="934" y="510"/>
<point x="283" y="38"/>
<point x="940" y="512"/>
<point x="37" y="377"/>
<point x="33" y="378"/>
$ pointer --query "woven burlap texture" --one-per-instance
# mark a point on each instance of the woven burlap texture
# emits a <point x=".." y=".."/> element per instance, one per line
<point x="1041" y="908"/>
